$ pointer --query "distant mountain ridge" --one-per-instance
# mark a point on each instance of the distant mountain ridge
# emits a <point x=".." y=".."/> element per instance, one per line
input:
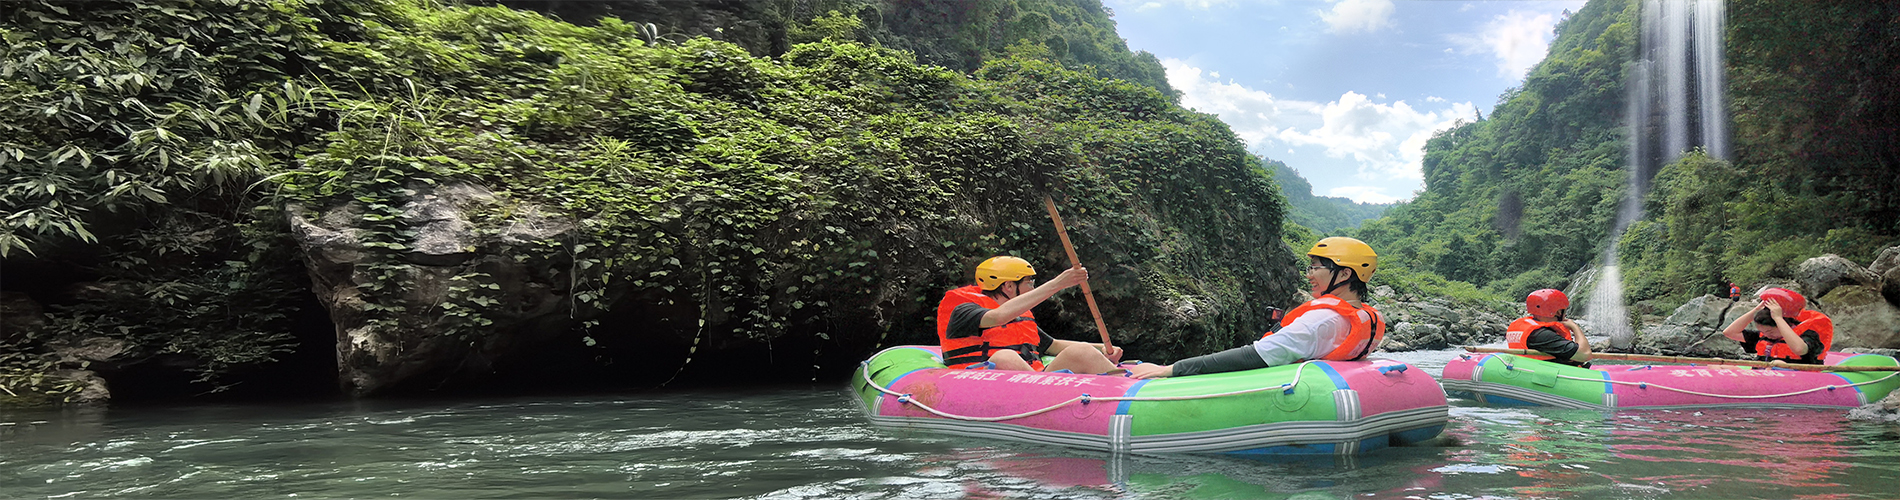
<point x="1322" y="214"/>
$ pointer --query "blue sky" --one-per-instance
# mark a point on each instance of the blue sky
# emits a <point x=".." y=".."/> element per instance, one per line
<point x="1344" y="91"/>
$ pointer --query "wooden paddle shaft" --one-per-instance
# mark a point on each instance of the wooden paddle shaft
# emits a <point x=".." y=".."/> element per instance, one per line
<point x="1703" y="361"/>
<point x="1089" y="295"/>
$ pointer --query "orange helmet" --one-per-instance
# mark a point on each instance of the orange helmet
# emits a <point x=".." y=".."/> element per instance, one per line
<point x="1546" y="302"/>
<point x="996" y="271"/>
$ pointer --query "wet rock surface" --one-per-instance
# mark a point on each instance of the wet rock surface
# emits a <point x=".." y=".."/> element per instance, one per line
<point x="1884" y="411"/>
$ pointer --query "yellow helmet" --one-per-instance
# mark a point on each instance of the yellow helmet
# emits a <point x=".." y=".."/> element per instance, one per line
<point x="999" y="270"/>
<point x="1349" y="253"/>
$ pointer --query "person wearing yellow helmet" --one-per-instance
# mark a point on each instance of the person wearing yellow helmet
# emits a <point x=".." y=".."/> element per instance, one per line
<point x="989" y="325"/>
<point x="1336" y="325"/>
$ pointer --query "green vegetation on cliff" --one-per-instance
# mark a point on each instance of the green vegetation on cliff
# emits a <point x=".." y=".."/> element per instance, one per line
<point x="824" y="198"/>
<point x="957" y="34"/>
<point x="1521" y="200"/>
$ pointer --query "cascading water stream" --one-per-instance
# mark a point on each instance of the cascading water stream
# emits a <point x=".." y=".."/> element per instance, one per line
<point x="1677" y="80"/>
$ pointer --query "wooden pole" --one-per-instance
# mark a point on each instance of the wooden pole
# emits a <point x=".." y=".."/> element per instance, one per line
<point x="1063" y="232"/>
<point x="1699" y="361"/>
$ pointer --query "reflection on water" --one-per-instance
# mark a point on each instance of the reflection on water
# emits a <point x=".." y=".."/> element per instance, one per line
<point x="812" y="443"/>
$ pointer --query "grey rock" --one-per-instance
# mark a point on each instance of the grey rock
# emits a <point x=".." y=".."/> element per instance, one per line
<point x="1887" y="267"/>
<point x="1671" y="339"/>
<point x="20" y="316"/>
<point x="1862" y="318"/>
<point x="453" y="255"/>
<point x="1820" y="275"/>
<point x="93" y="388"/>
<point x="1888" y="260"/>
<point x="87" y="350"/>
<point x="1415" y="336"/>
<point x="1442" y="313"/>
<point x="1885" y="410"/>
<point x="1706" y="311"/>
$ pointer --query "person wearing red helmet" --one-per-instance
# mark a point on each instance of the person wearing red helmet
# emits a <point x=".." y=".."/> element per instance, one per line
<point x="1781" y="328"/>
<point x="988" y="324"/>
<point x="1546" y="330"/>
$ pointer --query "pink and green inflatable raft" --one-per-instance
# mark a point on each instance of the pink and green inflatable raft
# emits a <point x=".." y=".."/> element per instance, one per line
<point x="1316" y="407"/>
<point x="1505" y="379"/>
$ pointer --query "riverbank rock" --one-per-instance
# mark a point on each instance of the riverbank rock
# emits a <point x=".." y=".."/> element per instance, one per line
<point x="462" y="296"/>
<point x="1887" y="267"/>
<point x="1820" y="275"/>
<point x="1862" y="318"/>
<point x="20" y="316"/>
<point x="1437" y="323"/>
<point x="1693" y="329"/>
<point x="1885" y="411"/>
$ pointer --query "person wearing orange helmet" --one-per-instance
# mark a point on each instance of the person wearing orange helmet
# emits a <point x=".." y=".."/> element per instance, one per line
<point x="1336" y="325"/>
<point x="989" y="325"/>
<point x="1545" y="329"/>
<point x="1781" y="328"/>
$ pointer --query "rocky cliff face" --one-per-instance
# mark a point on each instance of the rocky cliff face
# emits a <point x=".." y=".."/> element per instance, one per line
<point x="459" y="298"/>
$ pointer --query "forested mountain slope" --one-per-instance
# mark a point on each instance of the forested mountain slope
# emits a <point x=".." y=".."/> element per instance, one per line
<point x="1527" y="196"/>
<point x="1323" y="214"/>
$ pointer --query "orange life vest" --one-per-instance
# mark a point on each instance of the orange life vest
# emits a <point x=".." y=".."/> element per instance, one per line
<point x="1771" y="350"/>
<point x="1518" y="336"/>
<point x="1020" y="334"/>
<point x="1362" y="339"/>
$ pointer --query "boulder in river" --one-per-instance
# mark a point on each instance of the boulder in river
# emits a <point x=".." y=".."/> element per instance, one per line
<point x="1885" y="410"/>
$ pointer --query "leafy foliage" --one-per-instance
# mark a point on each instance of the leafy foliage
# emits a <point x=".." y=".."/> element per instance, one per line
<point x="1523" y="199"/>
<point x="958" y="34"/>
<point x="827" y="196"/>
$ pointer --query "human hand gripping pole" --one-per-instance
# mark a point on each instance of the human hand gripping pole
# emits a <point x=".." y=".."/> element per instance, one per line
<point x="1063" y="233"/>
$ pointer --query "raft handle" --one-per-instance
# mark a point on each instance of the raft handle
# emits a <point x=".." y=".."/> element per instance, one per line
<point x="1388" y="369"/>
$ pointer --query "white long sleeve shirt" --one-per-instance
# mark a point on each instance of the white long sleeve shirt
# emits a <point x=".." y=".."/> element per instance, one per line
<point x="1310" y="336"/>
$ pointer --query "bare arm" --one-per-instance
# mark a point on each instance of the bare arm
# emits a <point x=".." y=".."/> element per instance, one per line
<point x="1734" y="329"/>
<point x="1795" y="344"/>
<point x="1015" y="307"/>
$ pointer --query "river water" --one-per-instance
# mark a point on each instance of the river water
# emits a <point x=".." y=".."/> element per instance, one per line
<point x="811" y="442"/>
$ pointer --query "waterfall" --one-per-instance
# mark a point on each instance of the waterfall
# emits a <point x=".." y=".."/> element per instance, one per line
<point x="1675" y="91"/>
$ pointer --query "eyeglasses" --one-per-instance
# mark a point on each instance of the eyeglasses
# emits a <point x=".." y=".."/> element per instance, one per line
<point x="1318" y="268"/>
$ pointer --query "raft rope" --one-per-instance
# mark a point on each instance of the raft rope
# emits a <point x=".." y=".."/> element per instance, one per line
<point x="1645" y="385"/>
<point x="864" y="368"/>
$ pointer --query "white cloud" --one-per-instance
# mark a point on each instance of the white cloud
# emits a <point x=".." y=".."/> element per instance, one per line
<point x="1363" y="194"/>
<point x="1517" y="39"/>
<point x="1192" y="4"/>
<point x="1385" y="141"/>
<point x="1352" y="16"/>
<point x="1433" y="98"/>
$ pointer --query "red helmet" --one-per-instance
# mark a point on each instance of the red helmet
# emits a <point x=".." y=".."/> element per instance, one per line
<point x="1546" y="302"/>
<point x="1790" y="301"/>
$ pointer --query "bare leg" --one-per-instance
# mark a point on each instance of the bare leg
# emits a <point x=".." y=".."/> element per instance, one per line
<point x="1010" y="360"/>
<point x="1081" y="360"/>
